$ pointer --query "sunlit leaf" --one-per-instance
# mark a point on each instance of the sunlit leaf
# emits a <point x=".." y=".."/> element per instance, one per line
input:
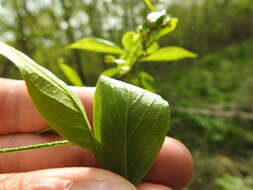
<point x="168" y="28"/>
<point x="54" y="100"/>
<point x="130" y="40"/>
<point x="153" y="48"/>
<point x="111" y="72"/>
<point x="170" y="54"/>
<point x="130" y="126"/>
<point x="71" y="75"/>
<point x="130" y="123"/>
<point x="97" y="45"/>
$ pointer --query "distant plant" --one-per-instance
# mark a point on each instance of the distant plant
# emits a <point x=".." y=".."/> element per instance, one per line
<point x="230" y="182"/>
<point x="139" y="45"/>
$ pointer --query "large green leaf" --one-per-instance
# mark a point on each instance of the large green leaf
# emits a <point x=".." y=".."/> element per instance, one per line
<point x="71" y="75"/>
<point x="130" y="126"/>
<point x="54" y="100"/>
<point x="170" y="54"/>
<point x="97" y="45"/>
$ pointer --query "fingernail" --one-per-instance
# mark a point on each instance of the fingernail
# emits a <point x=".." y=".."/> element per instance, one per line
<point x="100" y="185"/>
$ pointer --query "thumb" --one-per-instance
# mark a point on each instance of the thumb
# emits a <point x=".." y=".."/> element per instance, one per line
<point x="65" y="179"/>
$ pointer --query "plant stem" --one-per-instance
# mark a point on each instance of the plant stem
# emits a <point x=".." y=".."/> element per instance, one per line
<point x="36" y="146"/>
<point x="150" y="5"/>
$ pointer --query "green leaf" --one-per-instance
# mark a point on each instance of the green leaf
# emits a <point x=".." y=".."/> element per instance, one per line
<point x="130" y="124"/>
<point x="71" y="74"/>
<point x="153" y="48"/>
<point x="130" y="127"/>
<point x="111" y="72"/>
<point x="147" y="81"/>
<point x="150" y="5"/>
<point x="167" y="28"/>
<point x="53" y="99"/>
<point x="97" y="45"/>
<point x="130" y="40"/>
<point x="170" y="54"/>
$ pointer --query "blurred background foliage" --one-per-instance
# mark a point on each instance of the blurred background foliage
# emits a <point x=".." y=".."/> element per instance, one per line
<point x="211" y="97"/>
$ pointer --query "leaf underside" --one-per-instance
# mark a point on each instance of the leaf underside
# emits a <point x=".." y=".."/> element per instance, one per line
<point x="130" y="126"/>
<point x="53" y="99"/>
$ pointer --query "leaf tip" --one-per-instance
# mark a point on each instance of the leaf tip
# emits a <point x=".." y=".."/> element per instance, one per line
<point x="193" y="55"/>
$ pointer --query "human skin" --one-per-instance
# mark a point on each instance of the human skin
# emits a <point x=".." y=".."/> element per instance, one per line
<point x="70" y="167"/>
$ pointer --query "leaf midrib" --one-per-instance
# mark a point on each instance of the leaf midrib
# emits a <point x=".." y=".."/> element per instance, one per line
<point x="125" y="117"/>
<point x="145" y="142"/>
<point x="56" y="83"/>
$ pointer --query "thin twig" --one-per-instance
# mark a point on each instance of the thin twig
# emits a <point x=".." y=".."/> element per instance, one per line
<point x="36" y="146"/>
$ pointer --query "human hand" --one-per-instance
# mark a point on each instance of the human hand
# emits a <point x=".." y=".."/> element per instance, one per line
<point x="70" y="167"/>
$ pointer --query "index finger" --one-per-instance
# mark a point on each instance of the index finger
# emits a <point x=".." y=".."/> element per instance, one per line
<point x="19" y="115"/>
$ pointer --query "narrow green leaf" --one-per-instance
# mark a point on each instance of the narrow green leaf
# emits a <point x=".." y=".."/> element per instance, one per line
<point x="170" y="54"/>
<point x="71" y="75"/>
<point x="54" y="100"/>
<point x="130" y="126"/>
<point x="97" y="45"/>
<point x="111" y="72"/>
<point x="150" y="5"/>
<point x="168" y="28"/>
<point x="147" y="81"/>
